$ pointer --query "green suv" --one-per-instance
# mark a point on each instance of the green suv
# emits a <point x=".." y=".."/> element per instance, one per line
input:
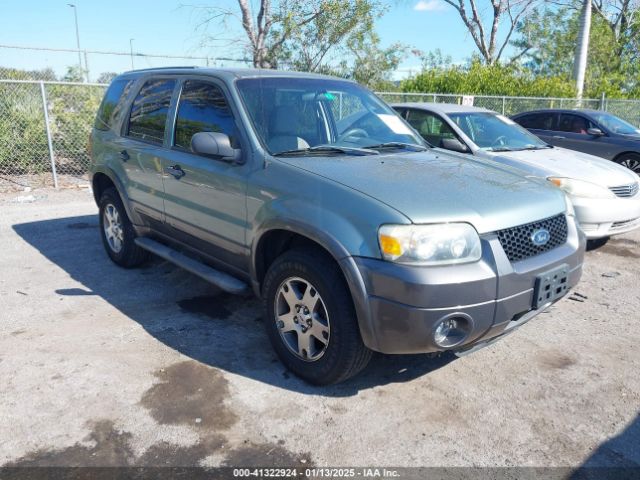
<point x="316" y="195"/>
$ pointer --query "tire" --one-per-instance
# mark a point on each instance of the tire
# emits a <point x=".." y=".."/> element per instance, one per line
<point x="341" y="354"/>
<point x="596" y="243"/>
<point x="630" y="161"/>
<point x="124" y="251"/>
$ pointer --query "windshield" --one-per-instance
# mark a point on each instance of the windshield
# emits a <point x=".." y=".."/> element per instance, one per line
<point x="615" y="124"/>
<point x="496" y="133"/>
<point x="322" y="116"/>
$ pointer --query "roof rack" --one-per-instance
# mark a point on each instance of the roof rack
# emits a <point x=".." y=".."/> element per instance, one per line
<point x="162" y="68"/>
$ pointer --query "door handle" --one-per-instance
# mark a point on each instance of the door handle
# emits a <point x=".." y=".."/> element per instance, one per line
<point x="124" y="155"/>
<point x="176" y="171"/>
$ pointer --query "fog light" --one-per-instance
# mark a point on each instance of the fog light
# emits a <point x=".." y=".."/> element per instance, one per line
<point x="451" y="331"/>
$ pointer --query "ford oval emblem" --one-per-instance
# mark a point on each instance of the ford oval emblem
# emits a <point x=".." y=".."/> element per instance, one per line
<point x="540" y="237"/>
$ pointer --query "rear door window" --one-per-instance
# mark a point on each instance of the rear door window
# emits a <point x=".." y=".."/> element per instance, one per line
<point x="149" y="111"/>
<point x="112" y="104"/>
<point x="538" y="121"/>
<point x="202" y="108"/>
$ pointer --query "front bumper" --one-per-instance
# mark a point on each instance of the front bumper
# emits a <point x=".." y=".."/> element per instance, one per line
<point x="403" y="304"/>
<point x="605" y="217"/>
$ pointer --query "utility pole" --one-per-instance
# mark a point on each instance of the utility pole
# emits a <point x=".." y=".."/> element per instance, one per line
<point x="131" y="50"/>
<point x="582" y="50"/>
<point x="75" y="15"/>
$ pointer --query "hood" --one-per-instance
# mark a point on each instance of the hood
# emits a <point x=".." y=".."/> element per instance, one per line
<point x="432" y="187"/>
<point x="562" y="162"/>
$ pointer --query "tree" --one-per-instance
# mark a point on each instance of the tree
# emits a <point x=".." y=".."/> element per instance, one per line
<point x="343" y="25"/>
<point x="546" y="41"/>
<point x="481" y="79"/>
<point x="267" y="31"/>
<point x="106" y="77"/>
<point x="508" y="12"/>
<point x="328" y="36"/>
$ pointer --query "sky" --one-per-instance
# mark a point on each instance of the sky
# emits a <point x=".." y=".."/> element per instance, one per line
<point x="171" y="28"/>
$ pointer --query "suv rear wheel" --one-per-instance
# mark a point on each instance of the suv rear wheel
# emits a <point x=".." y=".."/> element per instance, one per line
<point x="118" y="235"/>
<point x="310" y="318"/>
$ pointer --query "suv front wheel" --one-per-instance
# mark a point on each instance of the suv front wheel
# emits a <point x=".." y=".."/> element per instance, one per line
<point x="310" y="319"/>
<point x="118" y="235"/>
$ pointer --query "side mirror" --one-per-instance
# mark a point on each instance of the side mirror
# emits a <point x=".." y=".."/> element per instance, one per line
<point x="215" y="144"/>
<point x="454" y="144"/>
<point x="596" y="132"/>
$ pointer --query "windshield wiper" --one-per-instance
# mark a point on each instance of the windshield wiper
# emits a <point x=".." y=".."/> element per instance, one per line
<point x="409" y="146"/>
<point x="327" y="149"/>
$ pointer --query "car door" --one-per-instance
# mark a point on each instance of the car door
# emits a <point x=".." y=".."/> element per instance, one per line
<point x="430" y="126"/>
<point x="205" y="197"/>
<point x="541" y="124"/>
<point x="573" y="134"/>
<point x="141" y="148"/>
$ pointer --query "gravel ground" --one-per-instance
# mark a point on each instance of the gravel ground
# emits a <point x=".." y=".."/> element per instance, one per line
<point x="105" y="366"/>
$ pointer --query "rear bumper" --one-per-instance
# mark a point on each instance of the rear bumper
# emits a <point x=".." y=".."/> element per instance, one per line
<point x="605" y="217"/>
<point x="403" y="304"/>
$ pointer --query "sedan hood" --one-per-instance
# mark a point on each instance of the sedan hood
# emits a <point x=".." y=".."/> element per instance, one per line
<point x="562" y="162"/>
<point x="432" y="187"/>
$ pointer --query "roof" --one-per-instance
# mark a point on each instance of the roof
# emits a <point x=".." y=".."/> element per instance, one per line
<point x="442" y="108"/>
<point x="560" y="110"/>
<point x="230" y="72"/>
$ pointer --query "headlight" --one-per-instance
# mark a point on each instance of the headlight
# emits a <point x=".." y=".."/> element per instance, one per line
<point x="580" y="188"/>
<point x="437" y="244"/>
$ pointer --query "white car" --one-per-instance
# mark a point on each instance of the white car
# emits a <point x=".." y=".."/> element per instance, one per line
<point x="605" y="195"/>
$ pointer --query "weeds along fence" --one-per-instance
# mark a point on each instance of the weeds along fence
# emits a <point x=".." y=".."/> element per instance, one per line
<point x="45" y="125"/>
<point x="44" y="129"/>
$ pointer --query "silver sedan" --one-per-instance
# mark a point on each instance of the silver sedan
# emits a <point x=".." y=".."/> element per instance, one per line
<point x="605" y="195"/>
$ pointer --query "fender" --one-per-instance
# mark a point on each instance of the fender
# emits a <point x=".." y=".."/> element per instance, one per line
<point x="135" y="218"/>
<point x="339" y="253"/>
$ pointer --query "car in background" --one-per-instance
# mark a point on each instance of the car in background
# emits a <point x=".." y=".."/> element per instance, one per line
<point x="605" y="195"/>
<point x="591" y="131"/>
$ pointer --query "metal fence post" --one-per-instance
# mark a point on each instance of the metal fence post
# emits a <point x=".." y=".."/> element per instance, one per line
<point x="603" y="100"/>
<point x="48" y="130"/>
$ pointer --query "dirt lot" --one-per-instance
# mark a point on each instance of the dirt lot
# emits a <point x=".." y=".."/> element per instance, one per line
<point x="104" y="366"/>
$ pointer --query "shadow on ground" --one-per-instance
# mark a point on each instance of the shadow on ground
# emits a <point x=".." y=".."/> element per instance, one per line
<point x="191" y="316"/>
<point x="615" y="459"/>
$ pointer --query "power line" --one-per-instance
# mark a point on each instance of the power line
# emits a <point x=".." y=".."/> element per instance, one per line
<point x="127" y="54"/>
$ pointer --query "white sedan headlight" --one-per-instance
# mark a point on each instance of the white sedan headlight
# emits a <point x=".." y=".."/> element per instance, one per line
<point x="580" y="188"/>
<point x="437" y="244"/>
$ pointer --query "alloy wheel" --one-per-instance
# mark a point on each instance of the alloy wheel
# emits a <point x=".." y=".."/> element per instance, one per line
<point x="113" y="228"/>
<point x="632" y="164"/>
<point x="302" y="319"/>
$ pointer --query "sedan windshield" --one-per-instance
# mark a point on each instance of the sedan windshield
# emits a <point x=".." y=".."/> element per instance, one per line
<point x="496" y="133"/>
<point x="316" y="116"/>
<point x="615" y="124"/>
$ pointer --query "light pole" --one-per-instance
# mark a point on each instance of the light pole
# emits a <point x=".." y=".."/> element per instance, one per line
<point x="75" y="15"/>
<point x="131" y="50"/>
<point x="582" y="50"/>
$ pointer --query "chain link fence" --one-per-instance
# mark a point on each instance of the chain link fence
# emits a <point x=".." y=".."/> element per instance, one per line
<point x="44" y="129"/>
<point x="45" y="125"/>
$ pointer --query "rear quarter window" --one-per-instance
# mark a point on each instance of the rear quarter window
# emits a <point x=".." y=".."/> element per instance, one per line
<point x="538" y="121"/>
<point x="112" y="104"/>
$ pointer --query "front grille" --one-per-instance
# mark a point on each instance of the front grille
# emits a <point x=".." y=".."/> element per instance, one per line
<point x="518" y="244"/>
<point x="625" y="190"/>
